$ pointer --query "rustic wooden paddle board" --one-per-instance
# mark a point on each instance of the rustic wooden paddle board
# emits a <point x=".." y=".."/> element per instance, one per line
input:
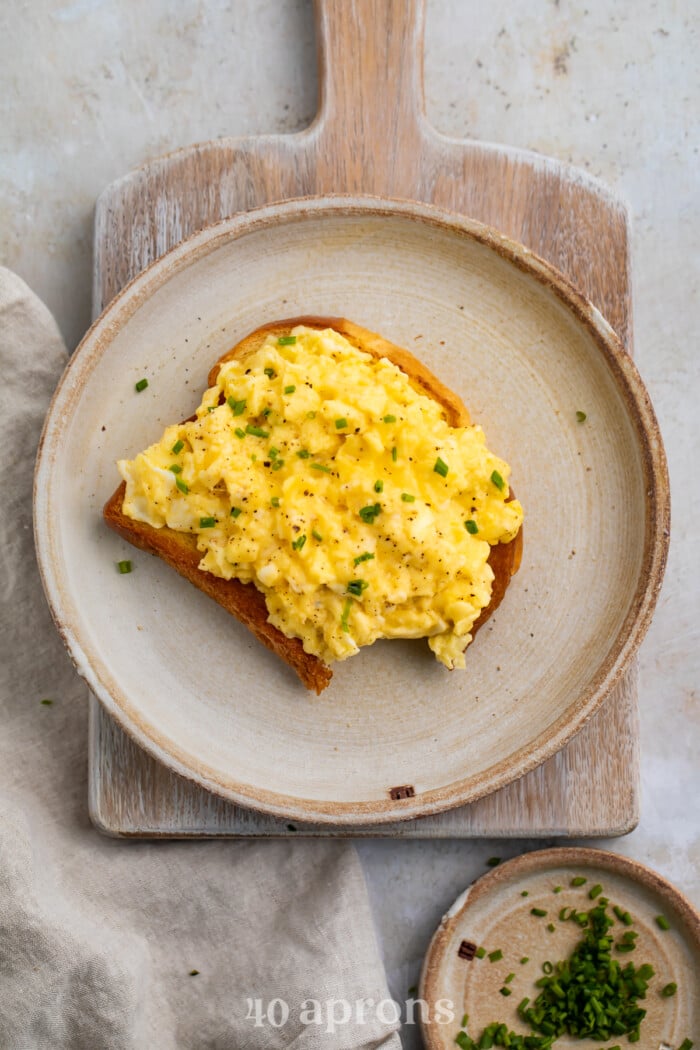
<point x="371" y="136"/>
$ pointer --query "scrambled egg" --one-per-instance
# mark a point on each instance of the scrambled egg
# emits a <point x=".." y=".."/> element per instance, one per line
<point x="319" y="474"/>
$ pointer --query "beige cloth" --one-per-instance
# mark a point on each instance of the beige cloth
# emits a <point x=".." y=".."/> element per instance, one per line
<point x="98" y="937"/>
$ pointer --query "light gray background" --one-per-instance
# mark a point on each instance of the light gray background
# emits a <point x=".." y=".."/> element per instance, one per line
<point x="92" y="88"/>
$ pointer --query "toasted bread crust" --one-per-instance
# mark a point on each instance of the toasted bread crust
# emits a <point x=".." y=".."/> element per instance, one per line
<point x="245" y="601"/>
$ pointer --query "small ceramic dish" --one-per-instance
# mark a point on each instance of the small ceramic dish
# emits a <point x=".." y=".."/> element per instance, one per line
<point x="496" y="913"/>
<point x="395" y="735"/>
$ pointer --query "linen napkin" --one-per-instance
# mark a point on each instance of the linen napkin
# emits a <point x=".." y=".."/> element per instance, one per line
<point x="109" y="945"/>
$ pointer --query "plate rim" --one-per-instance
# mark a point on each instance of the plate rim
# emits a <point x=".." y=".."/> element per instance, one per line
<point x="640" y="413"/>
<point x="539" y="861"/>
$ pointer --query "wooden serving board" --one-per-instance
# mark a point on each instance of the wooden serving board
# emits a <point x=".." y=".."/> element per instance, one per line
<point x="371" y="136"/>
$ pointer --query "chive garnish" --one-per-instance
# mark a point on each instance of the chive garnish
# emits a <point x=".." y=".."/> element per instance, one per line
<point x="465" y="1020"/>
<point x="286" y="340"/>
<point x="464" y="1042"/>
<point x="539" y="912"/>
<point x="207" y="523"/>
<point x="299" y="542"/>
<point x="176" y="468"/>
<point x="257" y="432"/>
<point x="524" y="893"/>
<point x="495" y="955"/>
<point x="277" y="464"/>
<point x="389" y="419"/>
<point x="624" y="916"/>
<point x="525" y="959"/>
<point x="320" y="466"/>
<point x="237" y="407"/>
<point x="356" y="587"/>
<point x="266" y="411"/>
<point x="341" y="423"/>
<point x="480" y="952"/>
<point x="394" y="453"/>
<point x="493" y="862"/>
<point x="289" y="389"/>
<point x="46" y="702"/>
<point x="310" y="415"/>
<point x="275" y="501"/>
<point x="441" y="467"/>
<point x="317" y="536"/>
<point x="506" y="991"/>
<point x="669" y="989"/>
<point x="346" y="612"/>
<point x="557" y="889"/>
<point x="579" y="880"/>
<point x="273" y="453"/>
<point x="303" y="453"/>
<point x="235" y="511"/>
<point x="367" y="556"/>
<point x="471" y="527"/>
<point x="509" y="978"/>
<point x="595" y="891"/>
<point x="124" y="567"/>
<point x="193" y="973"/>
<point x="370" y="512"/>
<point x="379" y="486"/>
<point x="177" y="447"/>
<point x="182" y="486"/>
<point x="551" y="927"/>
<point x="497" y="479"/>
<point x="141" y="385"/>
<point x="239" y="432"/>
<point x="687" y="1044"/>
<point x="662" y="922"/>
<point x="581" y="416"/>
<point x="407" y="497"/>
<point x="270" y="373"/>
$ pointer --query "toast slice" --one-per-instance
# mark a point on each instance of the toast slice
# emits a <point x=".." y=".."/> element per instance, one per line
<point x="245" y="601"/>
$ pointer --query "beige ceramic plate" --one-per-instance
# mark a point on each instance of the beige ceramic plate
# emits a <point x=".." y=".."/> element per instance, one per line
<point x="192" y="686"/>
<point x="493" y="913"/>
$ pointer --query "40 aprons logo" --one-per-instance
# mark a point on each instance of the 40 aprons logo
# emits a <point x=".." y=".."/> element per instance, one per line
<point x="331" y="1014"/>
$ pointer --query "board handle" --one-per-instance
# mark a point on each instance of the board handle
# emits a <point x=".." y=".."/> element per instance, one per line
<point x="371" y="104"/>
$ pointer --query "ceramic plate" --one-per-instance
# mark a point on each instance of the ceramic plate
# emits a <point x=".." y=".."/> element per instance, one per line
<point x="525" y="352"/>
<point x="493" y="913"/>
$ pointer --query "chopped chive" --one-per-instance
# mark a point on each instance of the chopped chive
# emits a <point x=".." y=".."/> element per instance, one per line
<point x="471" y="527"/>
<point x="687" y="1044"/>
<point x="524" y="893"/>
<point x="317" y="536"/>
<point x="207" y="523"/>
<point x="303" y="453"/>
<point x="212" y="408"/>
<point x="193" y="973"/>
<point x="566" y="913"/>
<point x="257" y="432"/>
<point x="346" y="613"/>
<point x="394" y="453"/>
<point x="356" y="587"/>
<point x="141" y="385"/>
<point x="669" y="989"/>
<point x="367" y="556"/>
<point x="464" y="1042"/>
<point x="581" y="416"/>
<point x="277" y="464"/>
<point x="379" y="486"/>
<point x="266" y="411"/>
<point x="177" y="447"/>
<point x="662" y="922"/>
<point x="525" y="959"/>
<point x="506" y="991"/>
<point x="235" y="511"/>
<point x="237" y="407"/>
<point x="407" y="497"/>
<point x="124" y="567"/>
<point x="341" y="423"/>
<point x="270" y="373"/>
<point x="624" y="916"/>
<point x="176" y="468"/>
<point x="579" y="880"/>
<point x="465" y="1020"/>
<point x="46" y="702"/>
<point x="495" y="955"/>
<point x="320" y="466"/>
<point x="551" y="927"/>
<point x="289" y="389"/>
<point x="493" y="862"/>
<point x="557" y="889"/>
<point x="273" y="453"/>
<point x="310" y="415"/>
<point x="522" y="1004"/>
<point x="497" y="479"/>
<point x="441" y="467"/>
<point x="239" y="432"/>
<point x="275" y="501"/>
<point x="539" y="912"/>
<point x="509" y="978"/>
<point x="286" y="340"/>
<point x="370" y="512"/>
<point x="182" y="486"/>
<point x="595" y="891"/>
<point x="299" y="542"/>
<point x="480" y="952"/>
<point x="389" y="419"/>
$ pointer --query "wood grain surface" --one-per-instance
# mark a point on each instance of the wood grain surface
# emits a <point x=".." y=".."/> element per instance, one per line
<point x="371" y="136"/>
